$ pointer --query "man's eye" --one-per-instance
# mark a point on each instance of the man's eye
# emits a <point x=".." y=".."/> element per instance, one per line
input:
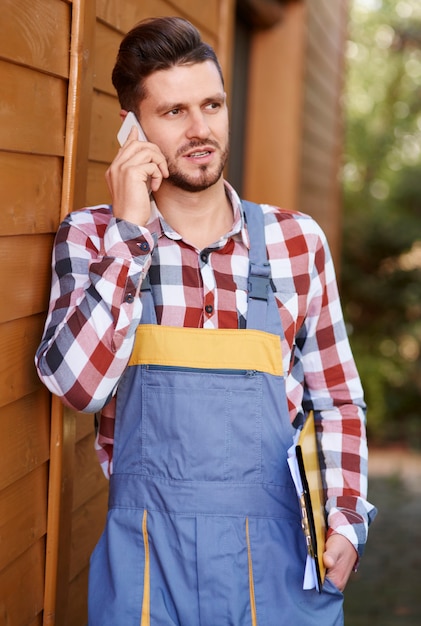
<point x="173" y="112"/>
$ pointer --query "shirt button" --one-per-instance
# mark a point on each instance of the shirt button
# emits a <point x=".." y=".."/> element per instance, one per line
<point x="144" y="246"/>
<point x="129" y="298"/>
<point x="209" y="309"/>
<point x="204" y="256"/>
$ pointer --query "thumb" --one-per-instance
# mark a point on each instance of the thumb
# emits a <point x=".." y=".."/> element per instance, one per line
<point x="336" y="547"/>
<point x="330" y="558"/>
<point x="339" y="559"/>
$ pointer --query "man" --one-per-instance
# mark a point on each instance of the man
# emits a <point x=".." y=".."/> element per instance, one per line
<point x="204" y="329"/>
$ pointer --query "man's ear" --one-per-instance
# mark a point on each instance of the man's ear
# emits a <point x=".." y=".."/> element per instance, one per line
<point x="123" y="114"/>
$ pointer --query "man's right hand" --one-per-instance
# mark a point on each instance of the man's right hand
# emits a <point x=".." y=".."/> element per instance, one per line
<point x="137" y="170"/>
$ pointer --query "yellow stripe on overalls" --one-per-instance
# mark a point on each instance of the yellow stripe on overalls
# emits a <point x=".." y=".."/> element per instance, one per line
<point x="146" y="604"/>
<point x="251" y="579"/>
<point x="205" y="348"/>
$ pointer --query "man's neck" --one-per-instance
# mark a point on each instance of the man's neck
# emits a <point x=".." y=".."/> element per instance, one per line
<point x="201" y="218"/>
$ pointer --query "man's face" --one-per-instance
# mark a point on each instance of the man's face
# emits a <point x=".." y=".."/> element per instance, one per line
<point x="185" y="114"/>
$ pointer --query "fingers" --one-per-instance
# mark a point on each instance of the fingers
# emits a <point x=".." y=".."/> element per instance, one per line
<point x="138" y="168"/>
<point x="140" y="153"/>
<point x="339" y="559"/>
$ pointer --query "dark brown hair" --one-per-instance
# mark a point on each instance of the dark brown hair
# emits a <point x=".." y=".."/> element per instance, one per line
<point x="156" y="44"/>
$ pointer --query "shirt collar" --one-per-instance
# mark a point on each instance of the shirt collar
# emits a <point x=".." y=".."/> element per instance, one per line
<point x="160" y="227"/>
<point x="239" y="229"/>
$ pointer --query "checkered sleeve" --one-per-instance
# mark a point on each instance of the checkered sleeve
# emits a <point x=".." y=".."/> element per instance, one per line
<point x="97" y="268"/>
<point x="333" y="390"/>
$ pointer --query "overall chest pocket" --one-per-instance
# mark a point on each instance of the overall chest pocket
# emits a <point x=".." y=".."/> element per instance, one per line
<point x="201" y="425"/>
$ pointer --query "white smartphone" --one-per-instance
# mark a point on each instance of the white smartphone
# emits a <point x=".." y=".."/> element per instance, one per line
<point x="128" y="123"/>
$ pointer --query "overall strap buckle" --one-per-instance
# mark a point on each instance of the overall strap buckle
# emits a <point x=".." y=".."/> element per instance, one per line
<point x="259" y="281"/>
<point x="259" y="268"/>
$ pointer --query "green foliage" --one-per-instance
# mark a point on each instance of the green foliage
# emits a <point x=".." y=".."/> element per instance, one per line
<point x="381" y="267"/>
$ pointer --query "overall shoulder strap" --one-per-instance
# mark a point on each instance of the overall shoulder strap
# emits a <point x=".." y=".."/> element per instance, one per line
<point x="148" y="307"/>
<point x="259" y="268"/>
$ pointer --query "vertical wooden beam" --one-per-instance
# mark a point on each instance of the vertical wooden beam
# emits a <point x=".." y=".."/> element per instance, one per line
<point x="79" y="106"/>
<point x="60" y="493"/>
<point x="274" y="125"/>
<point x="63" y="425"/>
<point x="226" y="39"/>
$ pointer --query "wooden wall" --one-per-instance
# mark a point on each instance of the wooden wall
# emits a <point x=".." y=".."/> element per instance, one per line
<point x="58" y="120"/>
<point x="322" y="135"/>
<point x="32" y="129"/>
<point x="294" y="128"/>
<point x="273" y="133"/>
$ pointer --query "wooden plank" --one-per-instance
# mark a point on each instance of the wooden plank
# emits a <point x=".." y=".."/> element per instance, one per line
<point x="84" y="424"/>
<point x="319" y="167"/>
<point x="87" y="525"/>
<point x="205" y="15"/>
<point x="107" y="42"/>
<point x="32" y="114"/>
<point x="316" y="186"/>
<point x="36" y="34"/>
<point x="37" y="621"/>
<point x="97" y="190"/>
<point x="321" y="145"/>
<point x="60" y="494"/>
<point x="23" y="514"/>
<point x="320" y="118"/>
<point x="321" y="77"/>
<point x="78" y="600"/>
<point x="18" y="343"/>
<point x="79" y="107"/>
<point x="104" y="127"/>
<point x="22" y="587"/>
<point x="88" y="477"/>
<point x="321" y="90"/>
<point x="272" y="159"/>
<point x="31" y="281"/>
<point x="319" y="154"/>
<point x="225" y="40"/>
<point x="324" y="54"/>
<point x="25" y="436"/>
<point x="319" y="160"/>
<point x="124" y="15"/>
<point x="326" y="30"/>
<point x="30" y="187"/>
<point x="320" y="138"/>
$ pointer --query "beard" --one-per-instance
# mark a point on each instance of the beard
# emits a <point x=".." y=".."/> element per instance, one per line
<point x="206" y="175"/>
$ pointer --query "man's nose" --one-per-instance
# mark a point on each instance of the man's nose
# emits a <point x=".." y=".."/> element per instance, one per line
<point x="198" y="126"/>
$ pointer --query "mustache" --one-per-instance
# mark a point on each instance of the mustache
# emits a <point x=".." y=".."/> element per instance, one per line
<point x="196" y="143"/>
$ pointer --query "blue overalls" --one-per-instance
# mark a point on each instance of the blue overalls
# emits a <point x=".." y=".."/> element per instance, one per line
<point x="203" y="527"/>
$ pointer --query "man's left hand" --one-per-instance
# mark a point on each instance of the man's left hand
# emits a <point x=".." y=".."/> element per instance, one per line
<point x="339" y="559"/>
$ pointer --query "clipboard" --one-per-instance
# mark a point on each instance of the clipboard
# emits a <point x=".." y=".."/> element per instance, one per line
<point x="312" y="499"/>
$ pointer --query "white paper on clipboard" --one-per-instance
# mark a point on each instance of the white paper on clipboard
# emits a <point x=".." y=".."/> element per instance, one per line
<point x="310" y="576"/>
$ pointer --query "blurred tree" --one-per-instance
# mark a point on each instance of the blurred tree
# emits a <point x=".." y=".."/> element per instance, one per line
<point x="381" y="266"/>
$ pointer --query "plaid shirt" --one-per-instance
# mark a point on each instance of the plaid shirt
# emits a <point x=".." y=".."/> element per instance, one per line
<point x="98" y="266"/>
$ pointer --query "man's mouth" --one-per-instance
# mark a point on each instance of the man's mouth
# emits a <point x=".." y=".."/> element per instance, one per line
<point x="196" y="150"/>
<point x="196" y="155"/>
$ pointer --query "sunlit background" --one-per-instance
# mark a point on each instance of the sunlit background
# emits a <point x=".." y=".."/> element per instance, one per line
<point x="381" y="291"/>
<point x="382" y="187"/>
